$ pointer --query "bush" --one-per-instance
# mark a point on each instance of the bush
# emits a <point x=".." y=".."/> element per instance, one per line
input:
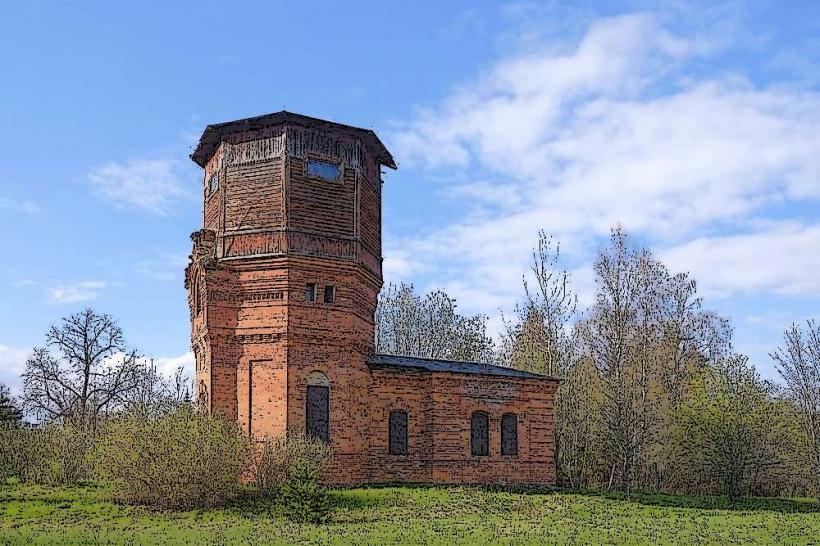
<point x="181" y="460"/>
<point x="51" y="455"/>
<point x="290" y="469"/>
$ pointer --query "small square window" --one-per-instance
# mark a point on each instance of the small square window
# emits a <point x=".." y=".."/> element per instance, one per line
<point x="322" y="169"/>
<point x="310" y="292"/>
<point x="330" y="293"/>
<point x="213" y="183"/>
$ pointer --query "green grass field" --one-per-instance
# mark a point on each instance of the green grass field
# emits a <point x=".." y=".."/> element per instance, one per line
<point x="393" y="515"/>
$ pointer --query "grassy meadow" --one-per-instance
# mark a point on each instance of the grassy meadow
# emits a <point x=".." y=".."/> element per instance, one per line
<point x="402" y="515"/>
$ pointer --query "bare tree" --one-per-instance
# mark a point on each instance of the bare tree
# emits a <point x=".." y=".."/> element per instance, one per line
<point x="84" y="370"/>
<point x="156" y="394"/>
<point x="429" y="327"/>
<point x="798" y="361"/>
<point x="540" y="339"/>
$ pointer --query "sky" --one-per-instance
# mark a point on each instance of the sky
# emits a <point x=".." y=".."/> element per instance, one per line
<point x="696" y="126"/>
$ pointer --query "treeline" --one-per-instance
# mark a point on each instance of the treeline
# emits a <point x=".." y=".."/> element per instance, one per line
<point x="653" y="394"/>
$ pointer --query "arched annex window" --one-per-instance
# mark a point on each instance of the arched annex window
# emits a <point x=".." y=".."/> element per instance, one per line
<point x="398" y="432"/>
<point x="480" y="434"/>
<point x="509" y="434"/>
<point x="317" y="406"/>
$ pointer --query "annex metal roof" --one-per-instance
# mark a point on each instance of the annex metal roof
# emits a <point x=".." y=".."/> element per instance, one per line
<point x="213" y="134"/>
<point x="451" y="366"/>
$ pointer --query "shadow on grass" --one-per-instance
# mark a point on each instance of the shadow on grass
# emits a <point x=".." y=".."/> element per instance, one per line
<point x="703" y="502"/>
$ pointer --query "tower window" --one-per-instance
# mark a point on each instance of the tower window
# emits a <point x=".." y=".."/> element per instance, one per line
<point x="310" y="292"/>
<point x="480" y="434"/>
<point x="509" y="434"/>
<point x="213" y="183"/>
<point x="322" y="169"/>
<point x="330" y="293"/>
<point x="398" y="432"/>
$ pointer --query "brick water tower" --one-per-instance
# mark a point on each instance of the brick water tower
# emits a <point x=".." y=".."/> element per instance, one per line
<point x="284" y="276"/>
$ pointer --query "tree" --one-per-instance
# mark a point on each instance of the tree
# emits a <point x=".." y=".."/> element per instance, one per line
<point x="10" y="413"/>
<point x="728" y="433"/>
<point x="154" y="394"/>
<point x="429" y="327"/>
<point x="540" y="339"/>
<point x="84" y="371"/>
<point x="619" y="339"/>
<point x="798" y="361"/>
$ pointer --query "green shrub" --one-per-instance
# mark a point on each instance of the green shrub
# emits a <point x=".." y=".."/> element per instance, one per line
<point x="181" y="460"/>
<point x="289" y="469"/>
<point x="50" y="455"/>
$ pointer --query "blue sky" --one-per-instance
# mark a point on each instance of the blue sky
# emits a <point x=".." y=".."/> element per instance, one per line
<point x="697" y="126"/>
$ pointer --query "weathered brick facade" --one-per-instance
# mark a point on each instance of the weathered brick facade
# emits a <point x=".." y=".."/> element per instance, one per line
<point x="293" y="208"/>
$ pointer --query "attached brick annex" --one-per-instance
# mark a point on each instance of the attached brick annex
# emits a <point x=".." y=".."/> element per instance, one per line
<point x="282" y="286"/>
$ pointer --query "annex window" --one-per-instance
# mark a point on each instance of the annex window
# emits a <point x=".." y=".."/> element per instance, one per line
<point x="398" y="432"/>
<point x="323" y="170"/>
<point x="509" y="434"/>
<point x="213" y="183"/>
<point x="310" y="292"/>
<point x="317" y="410"/>
<point x="480" y="434"/>
<point x="330" y="293"/>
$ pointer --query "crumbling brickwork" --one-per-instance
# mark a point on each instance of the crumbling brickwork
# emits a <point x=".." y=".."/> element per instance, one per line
<point x="282" y="287"/>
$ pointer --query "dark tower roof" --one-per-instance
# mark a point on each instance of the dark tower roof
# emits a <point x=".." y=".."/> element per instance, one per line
<point x="214" y="134"/>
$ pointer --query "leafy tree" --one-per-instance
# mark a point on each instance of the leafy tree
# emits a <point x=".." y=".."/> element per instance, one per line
<point x="728" y="431"/>
<point x="429" y="326"/>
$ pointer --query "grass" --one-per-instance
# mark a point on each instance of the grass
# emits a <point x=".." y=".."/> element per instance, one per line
<point x="412" y="515"/>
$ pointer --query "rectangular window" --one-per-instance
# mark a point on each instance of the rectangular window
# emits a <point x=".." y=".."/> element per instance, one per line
<point x="310" y="292"/>
<point x="398" y="433"/>
<point x="213" y="183"/>
<point x="323" y="170"/>
<point x="330" y="293"/>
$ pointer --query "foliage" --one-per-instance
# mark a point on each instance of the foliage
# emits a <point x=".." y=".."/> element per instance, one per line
<point x="289" y="469"/>
<point x="303" y="497"/>
<point x="413" y="515"/>
<point x="49" y="455"/>
<point x="429" y="327"/>
<point x="179" y="460"/>
<point x="728" y="434"/>
<point x="11" y="415"/>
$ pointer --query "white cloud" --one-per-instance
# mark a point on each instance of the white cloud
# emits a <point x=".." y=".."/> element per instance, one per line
<point x="23" y="206"/>
<point x="12" y="365"/>
<point x="152" y="185"/>
<point x="614" y="129"/>
<point x="168" y="365"/>
<point x="783" y="260"/>
<point x="76" y="292"/>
